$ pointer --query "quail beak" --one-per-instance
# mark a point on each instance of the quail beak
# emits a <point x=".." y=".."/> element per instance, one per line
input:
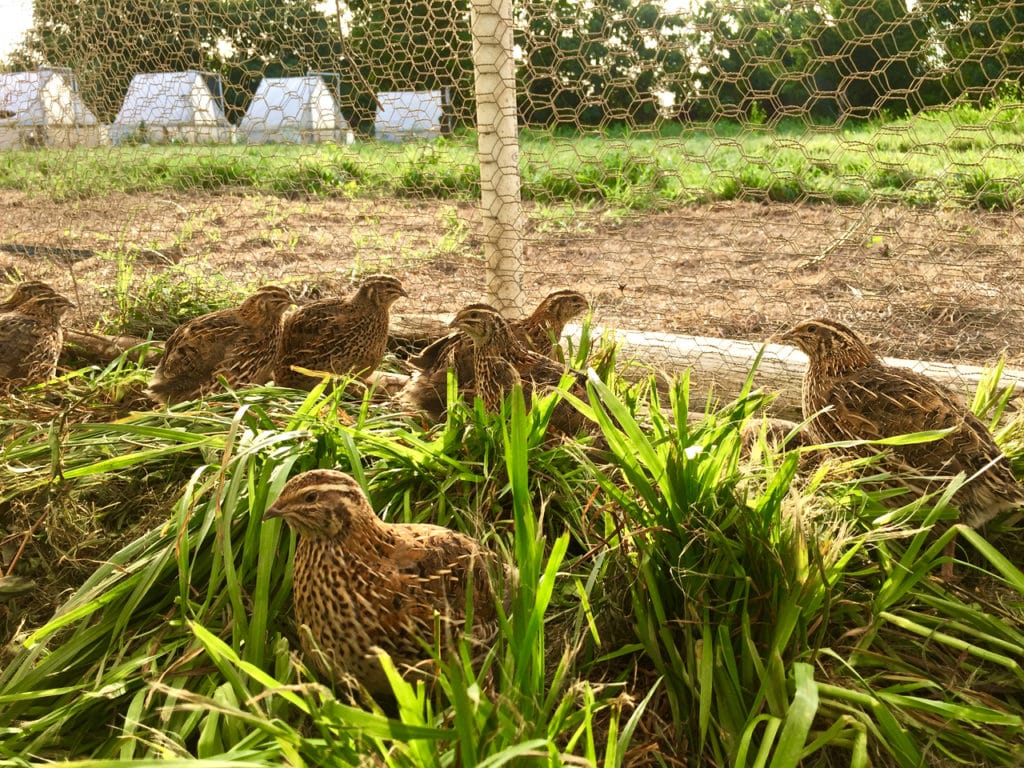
<point x="272" y="512"/>
<point x="782" y="337"/>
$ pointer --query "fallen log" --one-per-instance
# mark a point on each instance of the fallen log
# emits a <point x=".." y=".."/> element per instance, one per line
<point x="99" y="348"/>
<point x="418" y="329"/>
<point x="719" y="367"/>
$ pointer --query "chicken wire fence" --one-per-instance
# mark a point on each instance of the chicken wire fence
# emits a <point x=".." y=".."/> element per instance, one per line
<point x="719" y="169"/>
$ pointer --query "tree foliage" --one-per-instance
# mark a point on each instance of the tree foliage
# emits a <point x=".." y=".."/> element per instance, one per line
<point x="595" y="63"/>
<point x="107" y="42"/>
<point x="424" y="45"/>
<point x="983" y="43"/>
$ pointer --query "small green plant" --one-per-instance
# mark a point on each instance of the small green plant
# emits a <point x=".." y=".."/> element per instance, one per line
<point x="455" y="231"/>
<point x="563" y="217"/>
<point x="167" y="298"/>
<point x="124" y="272"/>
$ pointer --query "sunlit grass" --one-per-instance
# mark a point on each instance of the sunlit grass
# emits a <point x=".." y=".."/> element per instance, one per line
<point x="960" y="156"/>
<point x="678" y="595"/>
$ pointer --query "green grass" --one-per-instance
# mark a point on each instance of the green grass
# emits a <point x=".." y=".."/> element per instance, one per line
<point x="961" y="156"/>
<point x="677" y="595"/>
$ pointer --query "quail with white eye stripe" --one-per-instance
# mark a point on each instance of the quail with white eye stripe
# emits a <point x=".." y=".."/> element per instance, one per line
<point x="361" y="584"/>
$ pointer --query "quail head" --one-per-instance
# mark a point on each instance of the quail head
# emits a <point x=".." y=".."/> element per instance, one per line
<point x="23" y="292"/>
<point x="543" y="329"/>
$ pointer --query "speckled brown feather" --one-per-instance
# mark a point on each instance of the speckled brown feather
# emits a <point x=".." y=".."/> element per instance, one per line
<point x="238" y="344"/>
<point x="870" y="400"/>
<point x="540" y="332"/>
<point x="360" y="584"/>
<point x="31" y="338"/>
<point x="339" y="336"/>
<point x="500" y="362"/>
<point x="23" y="292"/>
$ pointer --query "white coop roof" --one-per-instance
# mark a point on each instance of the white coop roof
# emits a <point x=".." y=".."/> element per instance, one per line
<point x="43" y="98"/>
<point x="409" y="114"/>
<point x="169" y="99"/>
<point x="293" y="109"/>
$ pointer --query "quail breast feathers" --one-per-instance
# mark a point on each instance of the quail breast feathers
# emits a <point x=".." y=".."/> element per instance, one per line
<point x="361" y="584"/>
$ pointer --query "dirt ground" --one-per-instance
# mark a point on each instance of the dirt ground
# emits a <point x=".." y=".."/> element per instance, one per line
<point x="933" y="284"/>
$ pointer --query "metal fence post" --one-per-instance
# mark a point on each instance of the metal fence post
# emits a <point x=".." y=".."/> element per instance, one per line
<point x="498" y="153"/>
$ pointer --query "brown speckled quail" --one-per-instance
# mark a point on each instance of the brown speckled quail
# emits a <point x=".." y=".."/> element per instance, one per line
<point x="500" y="362"/>
<point x="361" y="584"/>
<point x="851" y="394"/>
<point x="31" y="338"/>
<point x="238" y="344"/>
<point x="23" y="292"/>
<point x="339" y="336"/>
<point x="540" y="332"/>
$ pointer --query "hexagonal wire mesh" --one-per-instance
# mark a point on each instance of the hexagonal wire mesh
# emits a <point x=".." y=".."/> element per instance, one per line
<point x="718" y="169"/>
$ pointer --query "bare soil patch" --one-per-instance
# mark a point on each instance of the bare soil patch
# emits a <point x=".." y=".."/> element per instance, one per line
<point x="923" y="283"/>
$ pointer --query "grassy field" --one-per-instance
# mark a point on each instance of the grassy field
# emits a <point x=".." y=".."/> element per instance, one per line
<point x="682" y="600"/>
<point x="965" y="157"/>
<point x="691" y="592"/>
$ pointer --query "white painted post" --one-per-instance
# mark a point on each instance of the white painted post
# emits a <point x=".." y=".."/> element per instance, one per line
<point x="498" y="154"/>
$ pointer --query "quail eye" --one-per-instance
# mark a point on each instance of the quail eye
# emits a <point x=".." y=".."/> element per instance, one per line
<point x="310" y="497"/>
<point x="812" y="328"/>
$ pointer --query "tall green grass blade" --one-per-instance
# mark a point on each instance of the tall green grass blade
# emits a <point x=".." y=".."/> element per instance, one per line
<point x="792" y="744"/>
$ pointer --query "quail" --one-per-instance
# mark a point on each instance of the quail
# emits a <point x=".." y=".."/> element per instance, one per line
<point x="23" y="292"/>
<point x="31" y="338"/>
<point x="500" y="362"/>
<point x="239" y="344"/>
<point x="849" y="393"/>
<point x="339" y="336"/>
<point x="540" y="332"/>
<point x="361" y="584"/>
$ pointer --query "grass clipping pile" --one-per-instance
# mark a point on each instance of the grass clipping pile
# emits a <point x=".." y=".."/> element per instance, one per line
<point x="54" y="535"/>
